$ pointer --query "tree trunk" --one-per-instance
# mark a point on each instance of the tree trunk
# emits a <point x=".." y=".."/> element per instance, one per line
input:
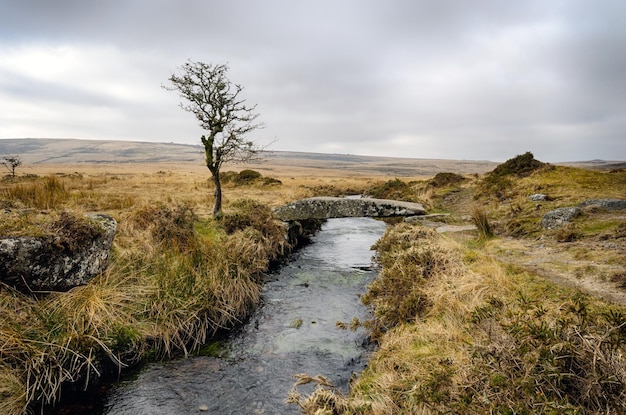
<point x="217" y="207"/>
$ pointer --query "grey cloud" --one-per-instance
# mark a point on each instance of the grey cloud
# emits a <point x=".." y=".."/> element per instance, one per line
<point x="465" y="79"/>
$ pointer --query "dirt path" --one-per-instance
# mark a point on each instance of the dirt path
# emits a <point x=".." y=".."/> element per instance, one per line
<point x="591" y="265"/>
<point x="581" y="265"/>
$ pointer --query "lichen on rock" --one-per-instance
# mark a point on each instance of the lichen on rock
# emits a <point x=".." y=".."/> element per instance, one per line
<point x="76" y="250"/>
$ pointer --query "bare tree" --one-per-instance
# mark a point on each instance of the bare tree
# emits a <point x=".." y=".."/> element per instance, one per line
<point x="215" y="102"/>
<point x="12" y="163"/>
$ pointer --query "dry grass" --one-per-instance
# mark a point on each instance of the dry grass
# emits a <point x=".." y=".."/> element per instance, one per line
<point x="480" y="339"/>
<point x="448" y="317"/>
<point x="176" y="278"/>
<point x="479" y="217"/>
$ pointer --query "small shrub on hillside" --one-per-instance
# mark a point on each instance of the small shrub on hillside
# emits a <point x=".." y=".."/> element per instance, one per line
<point x="393" y="189"/>
<point x="499" y="182"/>
<point x="171" y="226"/>
<point x="567" y="233"/>
<point x="536" y="362"/>
<point x="74" y="230"/>
<point x="247" y="177"/>
<point x="520" y="166"/>
<point x="333" y="190"/>
<point x="446" y="179"/>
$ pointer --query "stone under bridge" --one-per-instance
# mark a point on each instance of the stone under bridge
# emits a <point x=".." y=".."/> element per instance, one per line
<point x="339" y="207"/>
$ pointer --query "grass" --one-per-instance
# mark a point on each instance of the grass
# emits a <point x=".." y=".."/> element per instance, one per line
<point x="176" y="279"/>
<point x="484" y="338"/>
<point x="457" y="331"/>
<point x="460" y="332"/>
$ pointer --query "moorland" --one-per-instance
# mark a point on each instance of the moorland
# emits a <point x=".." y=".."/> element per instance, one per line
<point x="508" y="317"/>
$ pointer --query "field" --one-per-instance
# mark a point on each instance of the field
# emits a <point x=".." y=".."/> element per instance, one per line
<point x="508" y="318"/>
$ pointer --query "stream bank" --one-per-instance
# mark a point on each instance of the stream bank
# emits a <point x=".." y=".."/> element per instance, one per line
<point x="293" y="331"/>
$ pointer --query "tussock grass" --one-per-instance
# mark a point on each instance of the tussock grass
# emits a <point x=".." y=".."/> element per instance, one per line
<point x="479" y="217"/>
<point x="175" y="280"/>
<point x="479" y="338"/>
<point x="48" y="193"/>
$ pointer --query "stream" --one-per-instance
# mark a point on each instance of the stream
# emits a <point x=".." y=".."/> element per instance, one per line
<point x="293" y="331"/>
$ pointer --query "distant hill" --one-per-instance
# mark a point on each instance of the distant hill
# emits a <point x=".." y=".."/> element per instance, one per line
<point x="61" y="151"/>
<point x="72" y="151"/>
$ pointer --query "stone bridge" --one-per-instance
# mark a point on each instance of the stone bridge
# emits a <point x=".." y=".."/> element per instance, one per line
<point x="339" y="207"/>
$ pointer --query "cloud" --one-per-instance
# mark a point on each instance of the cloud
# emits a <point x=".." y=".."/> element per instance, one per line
<point x="452" y="79"/>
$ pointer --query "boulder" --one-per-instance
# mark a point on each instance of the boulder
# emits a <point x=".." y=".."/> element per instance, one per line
<point x="558" y="217"/>
<point x="538" y="197"/>
<point x="605" y="204"/>
<point x="58" y="262"/>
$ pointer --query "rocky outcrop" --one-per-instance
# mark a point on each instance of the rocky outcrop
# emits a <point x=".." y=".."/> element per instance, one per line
<point x="558" y="217"/>
<point x="70" y="258"/>
<point x="338" y="207"/>
<point x="605" y="204"/>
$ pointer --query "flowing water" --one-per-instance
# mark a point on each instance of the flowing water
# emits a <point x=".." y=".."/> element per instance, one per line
<point x="293" y="331"/>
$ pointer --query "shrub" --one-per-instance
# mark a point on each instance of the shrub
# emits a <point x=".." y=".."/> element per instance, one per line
<point x="409" y="260"/>
<point x="170" y="226"/>
<point x="247" y="177"/>
<point x="520" y="166"/>
<point x="249" y="213"/>
<point x="536" y="363"/>
<point x="446" y="179"/>
<point x="498" y="182"/>
<point x="393" y="189"/>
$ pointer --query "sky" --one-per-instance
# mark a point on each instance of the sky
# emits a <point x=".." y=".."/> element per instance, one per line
<point x="451" y="79"/>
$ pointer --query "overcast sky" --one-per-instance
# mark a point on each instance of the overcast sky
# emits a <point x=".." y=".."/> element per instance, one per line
<point x="454" y="79"/>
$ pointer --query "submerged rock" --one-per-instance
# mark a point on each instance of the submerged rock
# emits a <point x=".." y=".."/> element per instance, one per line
<point x="58" y="262"/>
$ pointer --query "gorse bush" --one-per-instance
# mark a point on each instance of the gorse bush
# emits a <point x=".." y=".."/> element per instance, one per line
<point x="391" y="189"/>
<point x="520" y="166"/>
<point x="247" y="177"/>
<point x="535" y="360"/>
<point x="170" y="226"/>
